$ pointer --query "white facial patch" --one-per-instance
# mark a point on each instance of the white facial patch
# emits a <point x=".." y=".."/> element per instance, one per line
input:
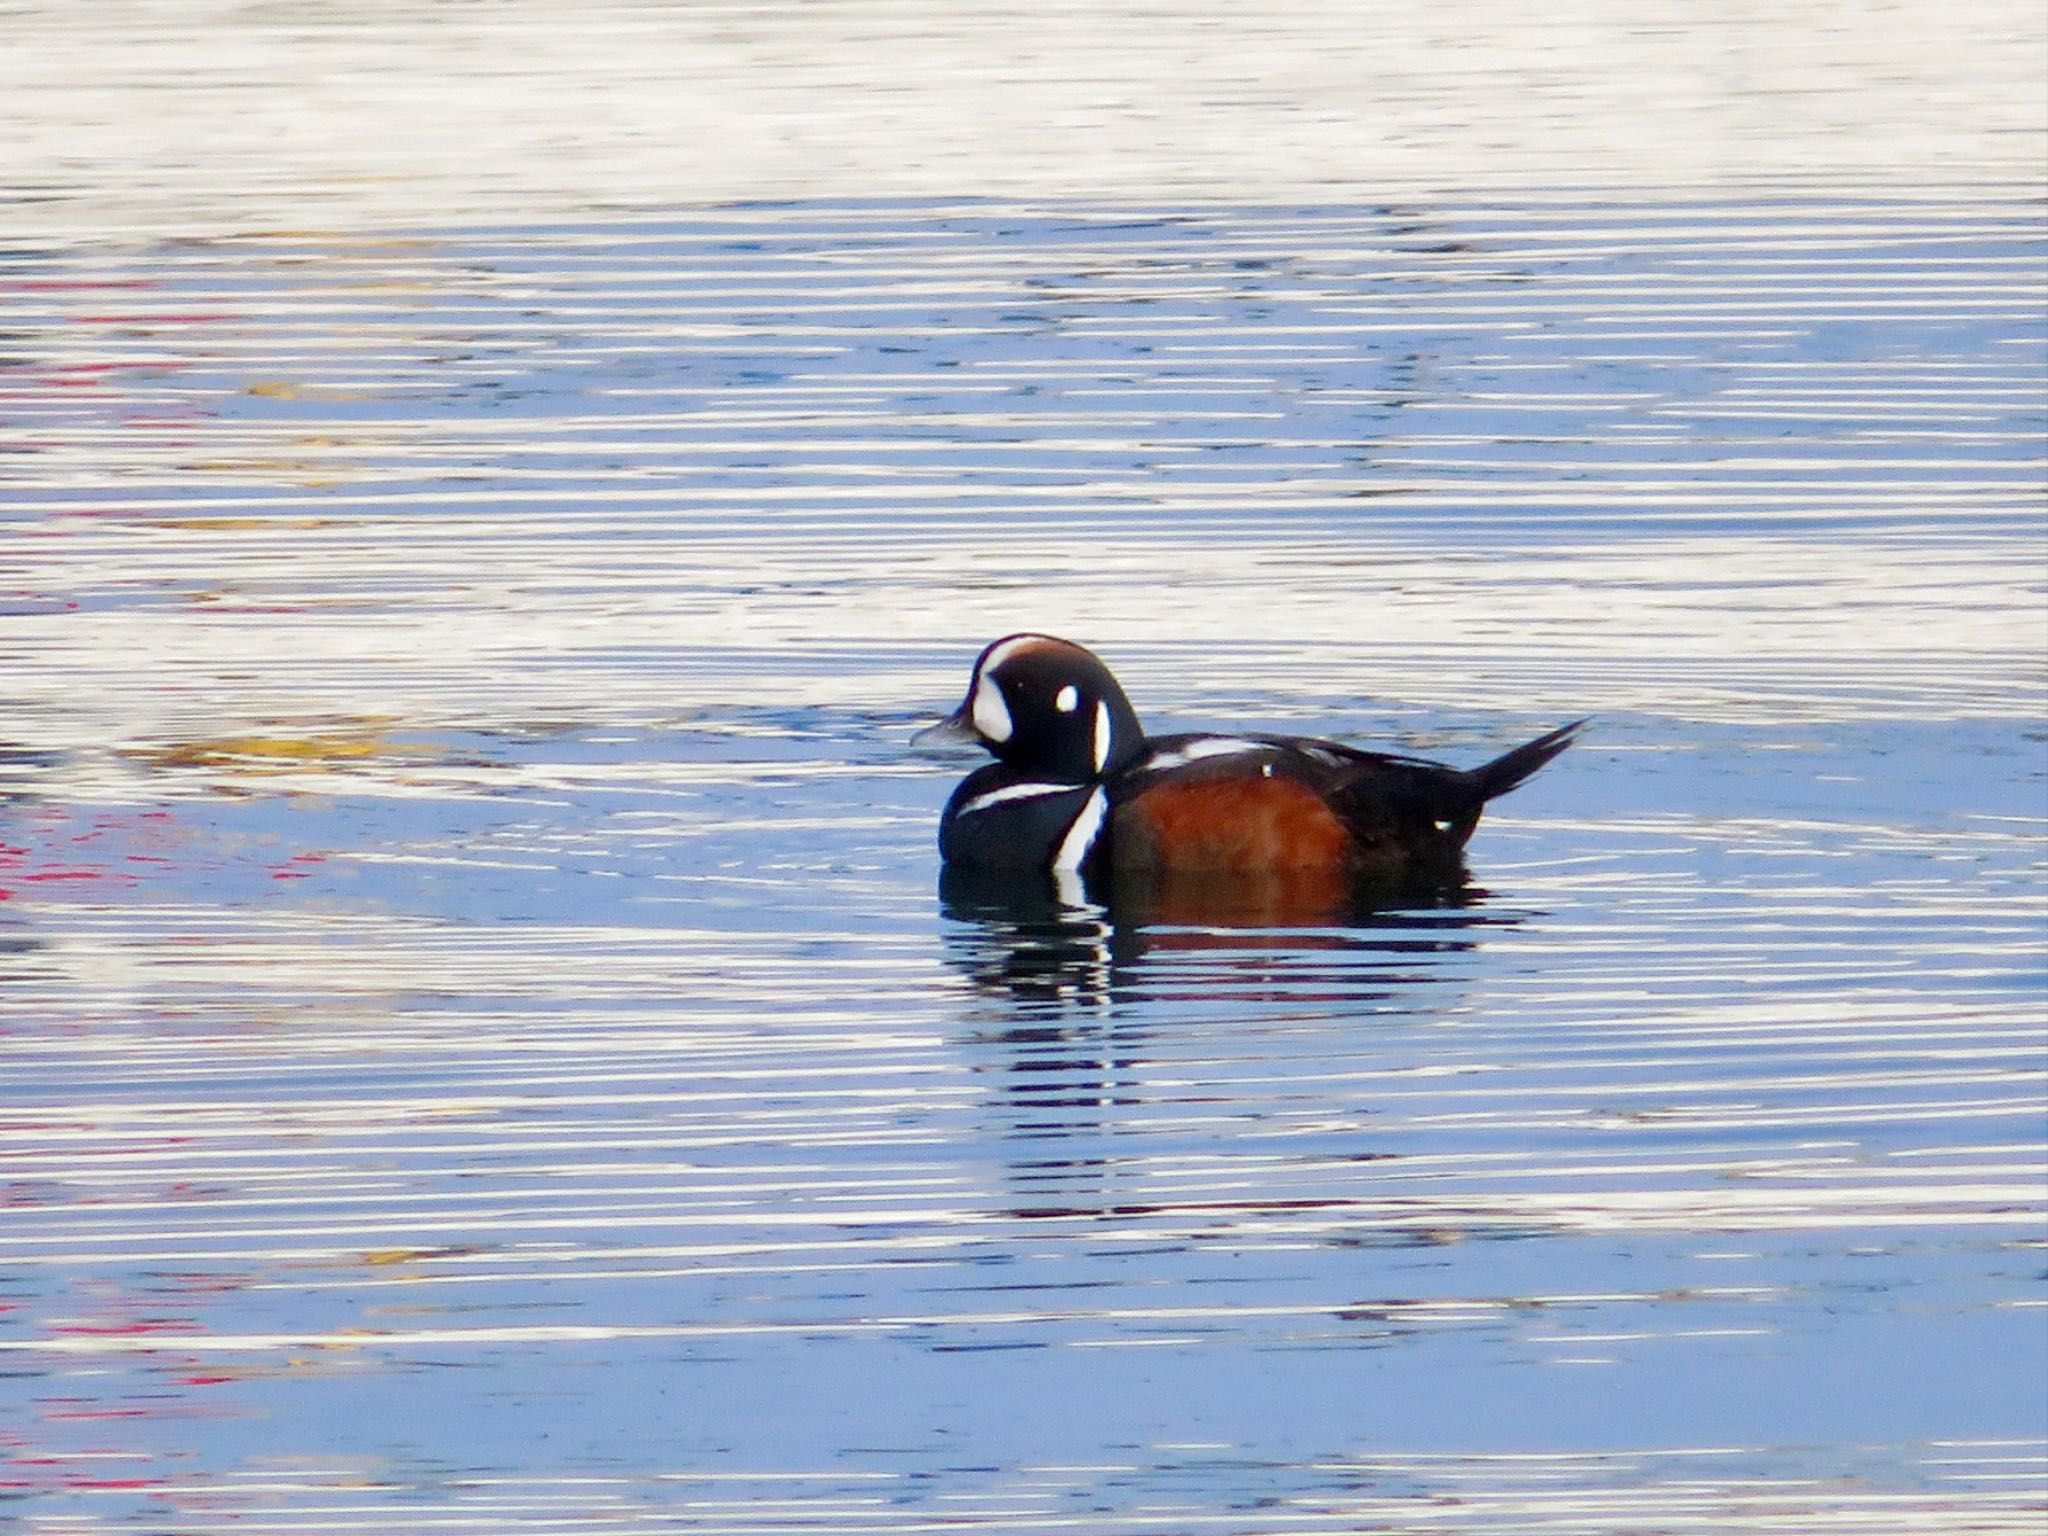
<point x="994" y="660"/>
<point x="1081" y="834"/>
<point x="1028" y="791"/>
<point x="1102" y="733"/>
<point x="1201" y="747"/>
<point x="990" y="714"/>
<point x="1067" y="700"/>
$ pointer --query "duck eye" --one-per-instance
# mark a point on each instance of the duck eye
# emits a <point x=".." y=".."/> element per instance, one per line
<point x="1067" y="700"/>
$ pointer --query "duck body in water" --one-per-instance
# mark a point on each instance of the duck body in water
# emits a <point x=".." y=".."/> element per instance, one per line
<point x="1078" y="788"/>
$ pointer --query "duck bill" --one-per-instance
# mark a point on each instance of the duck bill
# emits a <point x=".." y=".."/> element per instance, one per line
<point x="956" y="730"/>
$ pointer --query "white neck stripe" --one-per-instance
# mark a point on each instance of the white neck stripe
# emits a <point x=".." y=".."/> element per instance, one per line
<point x="1080" y="839"/>
<point x="1029" y="791"/>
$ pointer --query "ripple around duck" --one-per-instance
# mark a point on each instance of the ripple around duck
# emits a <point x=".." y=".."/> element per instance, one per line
<point x="482" y="1036"/>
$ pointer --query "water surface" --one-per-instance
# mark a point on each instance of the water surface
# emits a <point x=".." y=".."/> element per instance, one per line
<point x="486" y="1048"/>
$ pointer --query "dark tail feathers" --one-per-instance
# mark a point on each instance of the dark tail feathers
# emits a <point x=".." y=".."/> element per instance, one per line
<point x="1510" y="768"/>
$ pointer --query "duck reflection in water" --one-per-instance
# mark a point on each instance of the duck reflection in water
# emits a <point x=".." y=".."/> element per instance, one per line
<point x="1046" y="945"/>
<point x="1109" y="890"/>
<point x="1096" y="1017"/>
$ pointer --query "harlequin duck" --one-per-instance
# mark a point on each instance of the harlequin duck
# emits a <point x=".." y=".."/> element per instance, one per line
<point x="1078" y="787"/>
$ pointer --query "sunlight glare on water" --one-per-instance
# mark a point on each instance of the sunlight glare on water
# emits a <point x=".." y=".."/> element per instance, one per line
<point x="485" y="1044"/>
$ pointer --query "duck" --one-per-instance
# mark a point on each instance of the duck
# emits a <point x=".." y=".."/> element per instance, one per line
<point x="1078" y="788"/>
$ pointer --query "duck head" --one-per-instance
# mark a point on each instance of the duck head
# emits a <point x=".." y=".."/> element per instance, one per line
<point x="1047" y="708"/>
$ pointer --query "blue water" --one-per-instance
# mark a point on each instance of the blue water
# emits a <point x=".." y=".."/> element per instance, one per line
<point x="485" y="1044"/>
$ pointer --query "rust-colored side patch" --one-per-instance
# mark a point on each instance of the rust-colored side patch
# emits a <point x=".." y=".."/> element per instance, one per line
<point x="1236" y="824"/>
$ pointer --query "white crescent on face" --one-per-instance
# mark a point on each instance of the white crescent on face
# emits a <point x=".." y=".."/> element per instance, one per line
<point x="990" y="714"/>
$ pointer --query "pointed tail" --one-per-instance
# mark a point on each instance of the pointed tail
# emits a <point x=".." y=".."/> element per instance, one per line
<point x="1510" y="768"/>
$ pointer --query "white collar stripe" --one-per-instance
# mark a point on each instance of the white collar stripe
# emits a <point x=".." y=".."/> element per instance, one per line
<point x="1030" y="791"/>
<point x="1080" y="839"/>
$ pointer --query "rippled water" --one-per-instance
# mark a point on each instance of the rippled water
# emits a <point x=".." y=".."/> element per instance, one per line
<point x="486" y="1049"/>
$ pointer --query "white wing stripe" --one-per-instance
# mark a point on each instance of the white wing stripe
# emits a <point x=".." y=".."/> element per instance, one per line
<point x="1194" y="751"/>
